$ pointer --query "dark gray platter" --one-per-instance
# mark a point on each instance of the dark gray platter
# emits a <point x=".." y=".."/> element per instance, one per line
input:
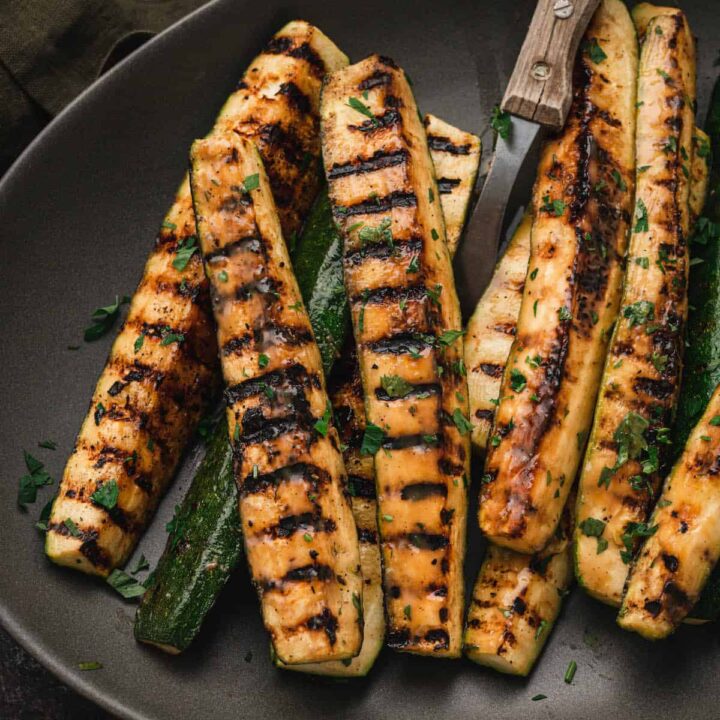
<point x="78" y="213"/>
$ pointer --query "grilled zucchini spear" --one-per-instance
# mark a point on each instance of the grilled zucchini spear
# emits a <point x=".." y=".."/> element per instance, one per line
<point x="299" y="533"/>
<point x="516" y="600"/>
<point x="491" y="330"/>
<point x="683" y="537"/>
<point x="621" y="471"/>
<point x="582" y="204"/>
<point x="162" y="369"/>
<point x="406" y="323"/>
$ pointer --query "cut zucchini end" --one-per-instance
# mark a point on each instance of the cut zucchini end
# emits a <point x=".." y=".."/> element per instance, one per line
<point x="644" y="12"/>
<point x="65" y="551"/>
<point x="649" y="631"/>
<point x="165" y="647"/>
<point x="589" y="573"/>
<point x="497" y="662"/>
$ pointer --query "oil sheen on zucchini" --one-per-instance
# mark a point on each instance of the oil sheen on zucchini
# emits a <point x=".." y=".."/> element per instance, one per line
<point x="406" y="324"/>
<point x="622" y="469"/>
<point x="491" y="330"/>
<point x="162" y="370"/>
<point x="299" y="534"/>
<point x="582" y="205"/>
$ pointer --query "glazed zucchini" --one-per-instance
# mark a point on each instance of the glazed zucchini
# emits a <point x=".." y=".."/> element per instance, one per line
<point x="406" y="324"/>
<point x="582" y="203"/>
<point x="162" y="370"/>
<point x="198" y="557"/>
<point x="683" y="537"/>
<point x="516" y="601"/>
<point x="297" y="525"/>
<point x="491" y="330"/>
<point x="627" y="448"/>
<point x="456" y="157"/>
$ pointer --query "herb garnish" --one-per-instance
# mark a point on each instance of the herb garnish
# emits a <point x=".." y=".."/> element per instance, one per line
<point x="501" y="122"/>
<point x="372" y="439"/>
<point x="362" y="108"/>
<point x="461" y="422"/>
<point x="127" y="586"/>
<point x="104" y="318"/>
<point x="323" y="424"/>
<point x="594" y="51"/>
<point x="29" y="484"/>
<point x="186" y="248"/>
<point x="106" y="494"/>
<point x="518" y="382"/>
<point x="395" y="386"/>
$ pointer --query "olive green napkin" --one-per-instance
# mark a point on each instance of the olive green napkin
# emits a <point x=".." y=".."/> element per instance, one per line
<point x="51" y="50"/>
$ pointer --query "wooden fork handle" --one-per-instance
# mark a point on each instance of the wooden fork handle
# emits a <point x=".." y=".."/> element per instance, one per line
<point x="540" y="88"/>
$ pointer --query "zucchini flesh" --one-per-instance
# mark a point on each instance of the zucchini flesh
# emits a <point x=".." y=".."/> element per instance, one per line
<point x="581" y="210"/>
<point x="297" y="525"/>
<point x="456" y="157"/>
<point x="197" y="562"/>
<point x="621" y="471"/>
<point x="684" y="543"/>
<point x="276" y="104"/>
<point x="516" y="601"/>
<point x="402" y="298"/>
<point x="491" y="329"/>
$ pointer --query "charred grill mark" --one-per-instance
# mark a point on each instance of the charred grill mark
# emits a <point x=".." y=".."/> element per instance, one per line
<point x="95" y="554"/>
<point x="379" y="160"/>
<point x="325" y="621"/>
<point x="377" y="79"/>
<point x="369" y="537"/>
<point x="237" y="344"/>
<point x="484" y="415"/>
<point x="312" y="475"/>
<point x="284" y="45"/>
<point x="658" y="389"/>
<point x="444" y="144"/>
<point x="290" y="524"/>
<point x="383" y="251"/>
<point x="447" y="185"/>
<point x="295" y="376"/>
<point x="407" y="441"/>
<point x="295" y="97"/>
<point x="389" y="119"/>
<point x="275" y="138"/>
<point x="400" y="344"/>
<point x="396" y="199"/>
<point x="271" y="429"/>
<point x="423" y="490"/>
<point x="506" y="328"/>
<point x="398" y="638"/>
<point x="391" y="295"/>
<point x="247" y="244"/>
<point x="361" y="487"/>
<point x="305" y="574"/>
<point x="491" y="370"/>
<point x="418" y="391"/>
<point x="439" y="638"/>
<point x="427" y="541"/>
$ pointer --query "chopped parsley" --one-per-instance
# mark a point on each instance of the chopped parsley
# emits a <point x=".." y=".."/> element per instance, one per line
<point x="37" y="477"/>
<point x="187" y="247"/>
<point x="90" y="665"/>
<point x="362" y="108"/>
<point x="323" y="424"/>
<point x="127" y="586"/>
<point x="518" y="382"/>
<point x="169" y="337"/>
<point x="639" y="312"/>
<point x="372" y="439"/>
<point x="379" y="234"/>
<point x="592" y="527"/>
<point x="177" y="525"/>
<point x="501" y="122"/>
<point x="413" y="266"/>
<point x="103" y="318"/>
<point x="396" y="386"/>
<point x="72" y="528"/>
<point x="570" y="672"/>
<point x="556" y="207"/>
<point x="594" y="51"/>
<point x="106" y="494"/>
<point x="617" y="177"/>
<point x="139" y="340"/>
<point x="461" y="422"/>
<point x="252" y="182"/>
<point x="534" y="273"/>
<point x="641" y="217"/>
<point x="635" y="530"/>
<point x="450" y="336"/>
<point x="263" y="360"/>
<point x="564" y="313"/>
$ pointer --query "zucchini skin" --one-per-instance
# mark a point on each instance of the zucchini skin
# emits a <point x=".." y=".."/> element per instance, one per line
<point x="380" y="174"/>
<point x="300" y="537"/>
<point x="516" y="600"/>
<point x="578" y="240"/>
<point x="676" y="560"/>
<point x="642" y="371"/>
<point x="194" y="568"/>
<point x="491" y="330"/>
<point x="154" y="397"/>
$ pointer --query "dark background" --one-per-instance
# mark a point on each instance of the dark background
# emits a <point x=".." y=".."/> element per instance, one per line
<point x="50" y="51"/>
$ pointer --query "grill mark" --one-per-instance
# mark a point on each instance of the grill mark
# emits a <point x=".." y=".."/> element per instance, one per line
<point x="447" y="185"/>
<point x="484" y="415"/>
<point x="427" y="541"/>
<point x="398" y="638"/>
<point x="383" y="251"/>
<point x="491" y="370"/>
<point x="399" y="344"/>
<point x="407" y="441"/>
<point x="379" y="160"/>
<point x="306" y="573"/>
<point x="274" y="136"/>
<point x="439" y="637"/>
<point x="658" y="389"/>
<point x="246" y="244"/>
<point x="272" y="429"/>
<point x="293" y="376"/>
<point x="396" y="199"/>
<point x="295" y="97"/>
<point x="362" y="487"/>
<point x="389" y="119"/>
<point x="391" y="295"/>
<point x="423" y="490"/>
<point x="94" y="553"/>
<point x="325" y="621"/>
<point x="422" y="391"/>
<point x="310" y="474"/>
<point x="369" y="537"/>
<point x="377" y="79"/>
<point x="290" y="524"/>
<point x="284" y="45"/>
<point x="444" y="144"/>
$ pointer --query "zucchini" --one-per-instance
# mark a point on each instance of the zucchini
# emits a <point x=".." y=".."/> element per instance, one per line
<point x="582" y="204"/>
<point x="153" y="391"/>
<point x="491" y="330"/>
<point x="683" y="537"/>
<point x="456" y="157"/>
<point x="199" y="555"/>
<point x="299" y="534"/>
<point x="406" y="323"/>
<point x="622" y="468"/>
<point x="516" y="601"/>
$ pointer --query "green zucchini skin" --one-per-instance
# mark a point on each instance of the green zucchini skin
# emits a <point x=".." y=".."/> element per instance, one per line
<point x="198" y="560"/>
<point x="701" y="373"/>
